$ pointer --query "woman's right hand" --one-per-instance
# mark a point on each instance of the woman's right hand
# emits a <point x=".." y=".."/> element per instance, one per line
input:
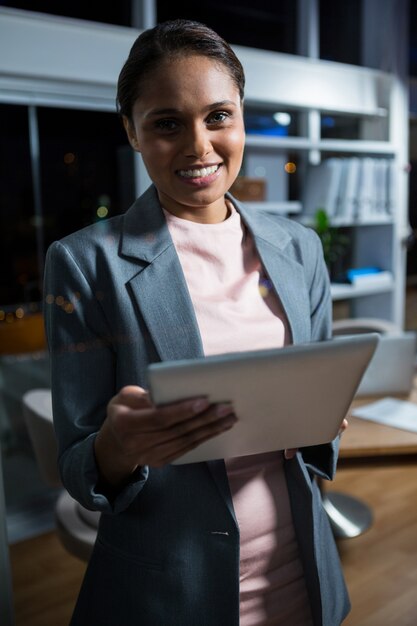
<point x="136" y="433"/>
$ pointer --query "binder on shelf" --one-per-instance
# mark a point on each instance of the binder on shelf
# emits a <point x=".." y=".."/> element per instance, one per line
<point x="290" y="207"/>
<point x="381" y="187"/>
<point x="348" y="206"/>
<point x="322" y="188"/>
<point x="373" y="190"/>
<point x="366" y="190"/>
<point x="391" y="187"/>
<point x="355" y="189"/>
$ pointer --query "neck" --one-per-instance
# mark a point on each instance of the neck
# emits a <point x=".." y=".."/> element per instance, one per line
<point x="212" y="214"/>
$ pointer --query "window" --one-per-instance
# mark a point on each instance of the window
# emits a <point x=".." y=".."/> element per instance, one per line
<point x="86" y="174"/>
<point x="340" y="31"/>
<point x="272" y="122"/>
<point x="18" y="252"/>
<point x="86" y="169"/>
<point x="266" y="24"/>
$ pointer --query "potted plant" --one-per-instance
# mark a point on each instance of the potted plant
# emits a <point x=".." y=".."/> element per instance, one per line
<point x="335" y="244"/>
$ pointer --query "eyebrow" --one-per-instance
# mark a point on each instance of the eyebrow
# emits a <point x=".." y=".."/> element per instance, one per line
<point x="172" y="111"/>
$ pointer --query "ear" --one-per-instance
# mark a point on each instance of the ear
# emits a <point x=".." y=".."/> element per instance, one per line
<point x="131" y="133"/>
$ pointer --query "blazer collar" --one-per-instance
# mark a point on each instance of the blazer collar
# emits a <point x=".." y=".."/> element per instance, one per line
<point x="262" y="226"/>
<point x="157" y="283"/>
<point x="275" y="247"/>
<point x="145" y="234"/>
<point x="145" y="237"/>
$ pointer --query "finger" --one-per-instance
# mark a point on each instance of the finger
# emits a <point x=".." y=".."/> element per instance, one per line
<point x="209" y="419"/>
<point x="168" y="453"/>
<point x="160" y="419"/>
<point x="158" y="423"/>
<point x="143" y="432"/>
<point x="132" y="405"/>
<point x="343" y="426"/>
<point x="191" y="432"/>
<point x="171" y="416"/>
<point x="289" y="453"/>
<point x="132" y="396"/>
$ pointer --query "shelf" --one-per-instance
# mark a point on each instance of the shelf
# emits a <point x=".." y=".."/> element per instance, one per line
<point x="278" y="143"/>
<point x="280" y="208"/>
<point x="342" y="291"/>
<point x="356" y="146"/>
<point x="382" y="220"/>
<point x="351" y="146"/>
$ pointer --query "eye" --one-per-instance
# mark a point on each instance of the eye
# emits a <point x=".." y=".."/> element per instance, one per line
<point x="218" y="117"/>
<point x="166" y="125"/>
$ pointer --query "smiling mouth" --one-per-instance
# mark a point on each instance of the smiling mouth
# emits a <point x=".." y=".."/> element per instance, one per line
<point x="199" y="173"/>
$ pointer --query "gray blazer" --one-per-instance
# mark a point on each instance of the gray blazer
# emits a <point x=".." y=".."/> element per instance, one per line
<point x="160" y="559"/>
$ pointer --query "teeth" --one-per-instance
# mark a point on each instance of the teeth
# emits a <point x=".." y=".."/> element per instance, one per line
<point x="205" y="171"/>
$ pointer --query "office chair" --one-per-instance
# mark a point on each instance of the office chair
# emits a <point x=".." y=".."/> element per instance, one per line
<point x="76" y="526"/>
<point x="349" y="516"/>
<point x="359" y="325"/>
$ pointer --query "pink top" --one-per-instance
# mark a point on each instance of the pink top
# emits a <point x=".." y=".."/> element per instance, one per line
<point x="236" y="311"/>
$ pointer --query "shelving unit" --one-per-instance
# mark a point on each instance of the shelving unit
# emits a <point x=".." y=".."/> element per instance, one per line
<point x="280" y="208"/>
<point x="369" y="98"/>
<point x="378" y="248"/>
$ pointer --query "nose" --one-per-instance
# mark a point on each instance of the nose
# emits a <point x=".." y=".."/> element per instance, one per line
<point x="197" y="141"/>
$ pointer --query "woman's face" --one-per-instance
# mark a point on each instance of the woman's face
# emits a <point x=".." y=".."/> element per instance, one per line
<point x="188" y="126"/>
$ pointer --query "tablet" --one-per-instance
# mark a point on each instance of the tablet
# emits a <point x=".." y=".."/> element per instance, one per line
<point x="283" y="398"/>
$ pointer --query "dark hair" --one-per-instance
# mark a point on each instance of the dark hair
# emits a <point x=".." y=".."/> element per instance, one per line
<point x="168" y="39"/>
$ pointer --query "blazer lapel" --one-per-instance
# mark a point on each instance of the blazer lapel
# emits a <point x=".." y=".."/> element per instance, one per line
<point x="273" y="244"/>
<point x="157" y="284"/>
<point x="167" y="308"/>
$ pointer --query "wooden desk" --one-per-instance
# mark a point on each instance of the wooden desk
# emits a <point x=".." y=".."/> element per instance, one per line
<point x="365" y="440"/>
<point x="362" y="443"/>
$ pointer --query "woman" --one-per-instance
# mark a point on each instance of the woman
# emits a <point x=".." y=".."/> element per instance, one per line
<point x="178" y="276"/>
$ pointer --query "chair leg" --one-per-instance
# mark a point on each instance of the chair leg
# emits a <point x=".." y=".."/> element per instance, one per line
<point x="348" y="516"/>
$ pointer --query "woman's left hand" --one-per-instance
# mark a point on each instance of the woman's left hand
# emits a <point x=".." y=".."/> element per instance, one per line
<point x="289" y="453"/>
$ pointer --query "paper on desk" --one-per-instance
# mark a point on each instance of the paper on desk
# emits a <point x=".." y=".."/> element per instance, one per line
<point x="391" y="412"/>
